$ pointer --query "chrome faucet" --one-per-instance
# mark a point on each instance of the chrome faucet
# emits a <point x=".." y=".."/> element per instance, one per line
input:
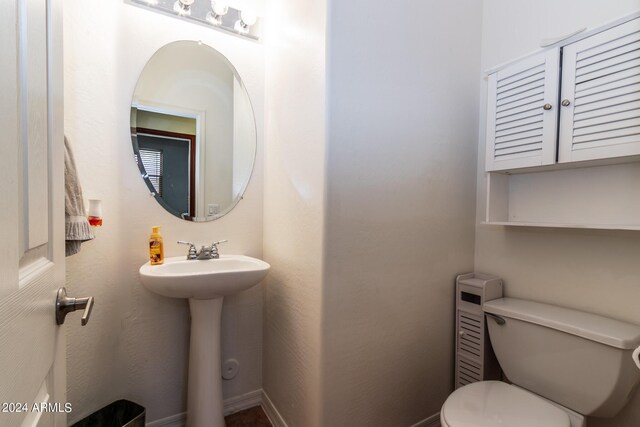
<point x="205" y="252"/>
<point x="213" y="249"/>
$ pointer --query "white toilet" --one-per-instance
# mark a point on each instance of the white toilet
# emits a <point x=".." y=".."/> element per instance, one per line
<point x="562" y="364"/>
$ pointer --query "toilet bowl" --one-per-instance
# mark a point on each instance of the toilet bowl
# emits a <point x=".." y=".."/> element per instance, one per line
<point x="494" y="403"/>
<point x="562" y="364"/>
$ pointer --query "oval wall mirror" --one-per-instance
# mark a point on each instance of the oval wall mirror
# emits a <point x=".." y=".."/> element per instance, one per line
<point x="193" y="131"/>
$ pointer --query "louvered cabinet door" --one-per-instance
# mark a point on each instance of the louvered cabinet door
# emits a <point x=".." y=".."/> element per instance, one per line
<point x="469" y="348"/>
<point x="521" y="131"/>
<point x="600" y="116"/>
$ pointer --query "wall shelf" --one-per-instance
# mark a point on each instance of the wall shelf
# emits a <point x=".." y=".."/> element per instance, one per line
<point x="563" y="225"/>
<point x="595" y="197"/>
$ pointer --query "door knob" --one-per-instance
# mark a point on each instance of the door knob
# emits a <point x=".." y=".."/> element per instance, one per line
<point x="566" y="102"/>
<point x="65" y="305"/>
<point x="547" y="107"/>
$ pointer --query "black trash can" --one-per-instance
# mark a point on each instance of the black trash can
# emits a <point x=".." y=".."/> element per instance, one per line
<point x="121" y="413"/>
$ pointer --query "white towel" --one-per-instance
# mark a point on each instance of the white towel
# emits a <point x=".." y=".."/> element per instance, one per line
<point x="77" y="228"/>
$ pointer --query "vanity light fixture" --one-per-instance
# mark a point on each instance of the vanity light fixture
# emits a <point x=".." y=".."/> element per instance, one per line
<point x="218" y="10"/>
<point x="183" y="7"/>
<point x="215" y="14"/>
<point x="247" y="19"/>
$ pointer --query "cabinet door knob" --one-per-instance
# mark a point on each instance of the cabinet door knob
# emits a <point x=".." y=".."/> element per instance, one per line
<point x="547" y="107"/>
<point x="566" y="103"/>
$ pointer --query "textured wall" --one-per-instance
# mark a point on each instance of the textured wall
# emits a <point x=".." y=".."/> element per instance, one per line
<point x="135" y="345"/>
<point x="294" y="207"/>
<point x="403" y="93"/>
<point x="591" y="270"/>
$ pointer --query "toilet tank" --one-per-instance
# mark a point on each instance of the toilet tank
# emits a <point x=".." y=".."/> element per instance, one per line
<point x="580" y="360"/>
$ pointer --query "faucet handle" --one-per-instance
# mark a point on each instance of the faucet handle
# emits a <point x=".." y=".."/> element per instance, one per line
<point x="214" y="248"/>
<point x="193" y="253"/>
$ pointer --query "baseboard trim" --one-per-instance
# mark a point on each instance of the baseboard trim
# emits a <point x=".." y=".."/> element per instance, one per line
<point x="231" y="405"/>
<point x="177" y="420"/>
<point x="242" y="402"/>
<point x="271" y="411"/>
<point x="432" y="421"/>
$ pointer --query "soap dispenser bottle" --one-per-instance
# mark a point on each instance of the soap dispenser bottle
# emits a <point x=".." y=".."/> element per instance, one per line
<point x="156" y="249"/>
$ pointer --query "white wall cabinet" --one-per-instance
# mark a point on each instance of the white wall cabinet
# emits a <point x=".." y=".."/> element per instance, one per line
<point x="600" y="113"/>
<point x="522" y="113"/>
<point x="587" y="110"/>
<point x="563" y="133"/>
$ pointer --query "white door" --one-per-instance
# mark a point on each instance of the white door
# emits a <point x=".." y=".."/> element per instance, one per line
<point x="32" y="347"/>
<point x="600" y="115"/>
<point x="522" y="113"/>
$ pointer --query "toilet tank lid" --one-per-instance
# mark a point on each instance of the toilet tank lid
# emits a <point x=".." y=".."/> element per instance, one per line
<point x="614" y="333"/>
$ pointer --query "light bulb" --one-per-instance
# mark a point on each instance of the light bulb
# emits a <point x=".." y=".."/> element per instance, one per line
<point x="249" y="18"/>
<point x="183" y="7"/>
<point x="246" y="20"/>
<point x="218" y="10"/>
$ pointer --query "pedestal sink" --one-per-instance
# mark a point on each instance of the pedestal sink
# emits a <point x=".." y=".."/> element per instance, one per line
<point x="205" y="283"/>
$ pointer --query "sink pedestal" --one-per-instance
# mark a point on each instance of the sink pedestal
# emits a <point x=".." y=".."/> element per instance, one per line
<point x="205" y="283"/>
<point x="204" y="395"/>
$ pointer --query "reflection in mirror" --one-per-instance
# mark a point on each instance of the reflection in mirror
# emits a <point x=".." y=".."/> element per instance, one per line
<point x="193" y="131"/>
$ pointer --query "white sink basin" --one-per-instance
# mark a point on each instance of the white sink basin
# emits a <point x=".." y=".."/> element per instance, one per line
<point x="203" y="279"/>
<point x="205" y="283"/>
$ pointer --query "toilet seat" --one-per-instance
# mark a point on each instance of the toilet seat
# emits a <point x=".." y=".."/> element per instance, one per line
<point x="494" y="403"/>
